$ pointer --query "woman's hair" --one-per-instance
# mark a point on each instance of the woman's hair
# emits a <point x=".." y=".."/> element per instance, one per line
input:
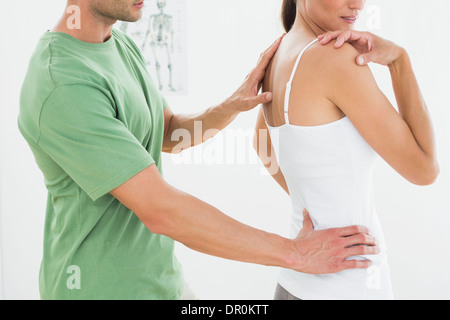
<point x="289" y="13"/>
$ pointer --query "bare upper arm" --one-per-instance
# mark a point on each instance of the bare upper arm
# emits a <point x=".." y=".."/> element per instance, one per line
<point x="262" y="142"/>
<point x="147" y="195"/>
<point x="261" y="126"/>
<point x="170" y="143"/>
<point x="168" y="115"/>
<point x="354" y="90"/>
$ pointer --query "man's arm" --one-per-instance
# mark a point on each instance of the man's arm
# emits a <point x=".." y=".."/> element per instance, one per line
<point x="202" y="127"/>
<point x="185" y="131"/>
<point x="184" y="218"/>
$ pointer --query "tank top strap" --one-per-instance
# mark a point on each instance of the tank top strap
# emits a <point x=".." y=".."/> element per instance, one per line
<point x="289" y="84"/>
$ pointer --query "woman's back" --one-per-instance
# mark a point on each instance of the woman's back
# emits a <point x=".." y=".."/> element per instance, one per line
<point x="328" y="169"/>
<point x="308" y="84"/>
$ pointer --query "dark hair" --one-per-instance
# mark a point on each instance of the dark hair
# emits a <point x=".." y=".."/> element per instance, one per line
<point x="289" y="13"/>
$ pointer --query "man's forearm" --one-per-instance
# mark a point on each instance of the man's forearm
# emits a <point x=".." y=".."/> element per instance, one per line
<point x="206" y="229"/>
<point x="170" y="212"/>
<point x="186" y="131"/>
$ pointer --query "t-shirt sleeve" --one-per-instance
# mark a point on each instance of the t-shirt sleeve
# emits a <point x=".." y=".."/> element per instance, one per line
<point x="164" y="101"/>
<point x="79" y="130"/>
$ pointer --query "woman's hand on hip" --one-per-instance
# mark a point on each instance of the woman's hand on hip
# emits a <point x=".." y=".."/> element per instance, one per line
<point x="372" y="48"/>
<point x="247" y="97"/>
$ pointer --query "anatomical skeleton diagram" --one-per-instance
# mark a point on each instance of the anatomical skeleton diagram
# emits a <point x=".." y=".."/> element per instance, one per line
<point x="154" y="34"/>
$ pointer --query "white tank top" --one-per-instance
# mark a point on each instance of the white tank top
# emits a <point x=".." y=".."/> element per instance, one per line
<point x="328" y="170"/>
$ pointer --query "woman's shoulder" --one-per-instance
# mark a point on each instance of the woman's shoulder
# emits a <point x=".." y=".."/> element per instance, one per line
<point x="330" y="56"/>
<point x="334" y="66"/>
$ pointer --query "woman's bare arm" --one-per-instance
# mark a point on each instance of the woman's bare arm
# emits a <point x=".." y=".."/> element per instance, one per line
<point x="404" y="139"/>
<point x="262" y="144"/>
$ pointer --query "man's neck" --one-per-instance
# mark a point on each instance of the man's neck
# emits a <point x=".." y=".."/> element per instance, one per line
<point x="90" y="27"/>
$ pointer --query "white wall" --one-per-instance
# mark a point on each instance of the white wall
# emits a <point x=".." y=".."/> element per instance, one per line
<point x="225" y="39"/>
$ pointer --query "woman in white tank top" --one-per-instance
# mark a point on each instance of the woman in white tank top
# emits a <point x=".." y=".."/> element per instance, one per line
<point x="327" y="124"/>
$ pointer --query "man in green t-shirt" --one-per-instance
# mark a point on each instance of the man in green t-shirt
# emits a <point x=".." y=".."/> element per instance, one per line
<point x="97" y="126"/>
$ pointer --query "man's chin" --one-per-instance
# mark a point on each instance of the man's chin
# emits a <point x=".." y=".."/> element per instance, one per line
<point x="131" y="18"/>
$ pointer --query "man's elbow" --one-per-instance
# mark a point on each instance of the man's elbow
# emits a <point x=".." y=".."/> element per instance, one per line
<point x="157" y="221"/>
<point x="172" y="149"/>
<point x="164" y="216"/>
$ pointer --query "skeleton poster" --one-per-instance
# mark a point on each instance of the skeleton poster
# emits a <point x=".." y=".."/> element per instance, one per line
<point x="161" y="37"/>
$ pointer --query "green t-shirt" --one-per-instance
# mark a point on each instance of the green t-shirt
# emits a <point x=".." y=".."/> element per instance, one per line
<point x="93" y="119"/>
